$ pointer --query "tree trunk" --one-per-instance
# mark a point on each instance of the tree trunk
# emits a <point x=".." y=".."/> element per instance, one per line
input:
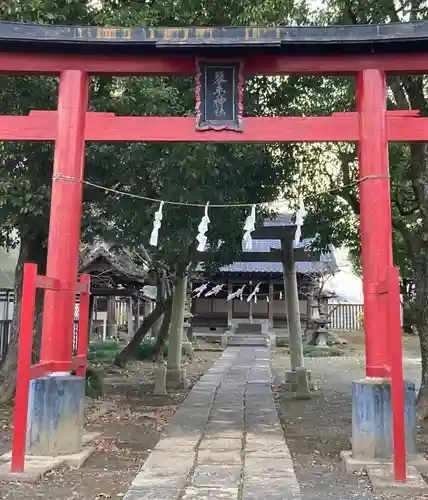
<point x="129" y="351"/>
<point x="421" y="324"/>
<point x="422" y="403"/>
<point x="161" y="295"/>
<point x="418" y="251"/>
<point x="33" y="249"/>
<point x="162" y="337"/>
<point x="177" y="318"/>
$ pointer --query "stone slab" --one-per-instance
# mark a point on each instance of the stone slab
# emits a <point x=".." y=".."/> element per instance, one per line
<point x="74" y="460"/>
<point x="219" y="457"/>
<point x="152" y="494"/>
<point x="211" y="460"/>
<point x="218" y="476"/>
<point x="274" y="465"/>
<point x="150" y="478"/>
<point x="184" y="444"/>
<point x="224" y="434"/>
<point x="354" y="464"/>
<point x="226" y="444"/>
<point x="382" y="479"/>
<point x="210" y="494"/>
<point x="163" y="459"/>
<point x="258" y="492"/>
<point x="34" y="469"/>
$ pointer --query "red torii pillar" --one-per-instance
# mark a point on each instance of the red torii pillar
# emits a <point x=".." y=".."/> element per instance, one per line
<point x="65" y="215"/>
<point x="375" y="213"/>
<point x="372" y="416"/>
<point x="55" y="404"/>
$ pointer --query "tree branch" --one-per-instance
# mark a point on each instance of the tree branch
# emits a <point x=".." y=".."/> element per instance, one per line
<point x="409" y="241"/>
<point x="402" y="212"/>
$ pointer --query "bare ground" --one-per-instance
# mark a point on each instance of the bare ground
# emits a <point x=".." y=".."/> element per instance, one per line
<point x="317" y="430"/>
<point x="130" y="429"/>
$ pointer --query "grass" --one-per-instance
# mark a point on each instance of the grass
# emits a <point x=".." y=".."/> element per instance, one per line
<point x="103" y="351"/>
<point x="312" y="351"/>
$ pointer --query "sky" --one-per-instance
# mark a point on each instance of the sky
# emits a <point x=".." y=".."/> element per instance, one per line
<point x="345" y="283"/>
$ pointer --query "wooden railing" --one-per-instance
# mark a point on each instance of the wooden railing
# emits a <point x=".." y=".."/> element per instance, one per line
<point x="345" y="316"/>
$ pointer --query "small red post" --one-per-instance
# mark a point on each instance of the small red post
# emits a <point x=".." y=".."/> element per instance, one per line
<point x="375" y="213"/>
<point x="397" y="384"/>
<point x="65" y="216"/>
<point x="82" y="332"/>
<point x="23" y="372"/>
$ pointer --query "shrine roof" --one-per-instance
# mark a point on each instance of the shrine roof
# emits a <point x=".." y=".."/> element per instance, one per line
<point x="302" y="267"/>
<point x="111" y="266"/>
<point x="382" y="38"/>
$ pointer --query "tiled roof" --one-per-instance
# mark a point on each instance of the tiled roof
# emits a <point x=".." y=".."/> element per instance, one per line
<point x="280" y="220"/>
<point x="305" y="267"/>
<point x="268" y="267"/>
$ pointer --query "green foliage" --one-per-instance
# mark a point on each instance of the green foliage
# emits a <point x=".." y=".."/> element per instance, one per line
<point x="103" y="345"/>
<point x="146" y="351"/>
<point x="103" y="352"/>
<point x="94" y="387"/>
<point x="194" y="173"/>
<point x="312" y="351"/>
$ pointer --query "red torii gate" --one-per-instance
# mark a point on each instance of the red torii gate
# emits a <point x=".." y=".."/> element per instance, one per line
<point x="371" y="126"/>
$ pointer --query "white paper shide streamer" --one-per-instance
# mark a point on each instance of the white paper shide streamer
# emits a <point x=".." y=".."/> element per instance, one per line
<point x="249" y="228"/>
<point x="253" y="294"/>
<point x="214" y="291"/>
<point x="197" y="292"/>
<point x="202" y="229"/>
<point x="156" y="226"/>
<point x="300" y="218"/>
<point x="237" y="294"/>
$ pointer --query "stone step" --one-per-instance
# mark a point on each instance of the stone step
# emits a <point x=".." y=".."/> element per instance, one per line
<point x="248" y="328"/>
<point x="242" y="340"/>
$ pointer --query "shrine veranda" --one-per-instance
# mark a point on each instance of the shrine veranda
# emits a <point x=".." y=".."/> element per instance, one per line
<point x="220" y="59"/>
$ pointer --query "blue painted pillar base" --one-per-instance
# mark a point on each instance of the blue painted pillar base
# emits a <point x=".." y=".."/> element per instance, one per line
<point x="372" y="419"/>
<point x="55" y="415"/>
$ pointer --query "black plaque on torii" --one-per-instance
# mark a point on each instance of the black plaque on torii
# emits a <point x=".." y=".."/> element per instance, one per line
<point x="219" y="95"/>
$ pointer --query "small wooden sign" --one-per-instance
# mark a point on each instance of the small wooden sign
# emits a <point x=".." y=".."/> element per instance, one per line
<point x="219" y="95"/>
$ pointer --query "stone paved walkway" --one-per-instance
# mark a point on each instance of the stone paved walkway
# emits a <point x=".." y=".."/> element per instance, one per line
<point x="225" y="442"/>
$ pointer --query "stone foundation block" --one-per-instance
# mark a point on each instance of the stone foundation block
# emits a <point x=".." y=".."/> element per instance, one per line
<point x="55" y="416"/>
<point x="372" y="436"/>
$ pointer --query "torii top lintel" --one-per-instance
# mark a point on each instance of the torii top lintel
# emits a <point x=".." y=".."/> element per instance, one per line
<point x="337" y="49"/>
